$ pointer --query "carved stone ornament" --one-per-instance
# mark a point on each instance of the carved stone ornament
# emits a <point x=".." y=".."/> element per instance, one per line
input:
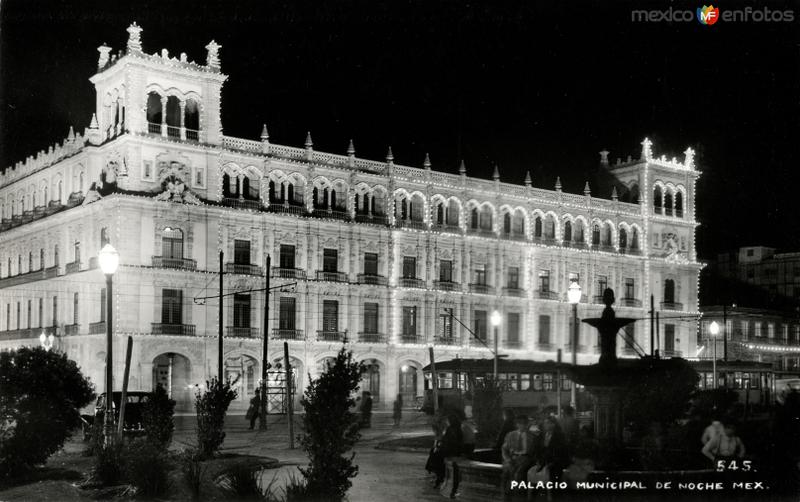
<point x="172" y="176"/>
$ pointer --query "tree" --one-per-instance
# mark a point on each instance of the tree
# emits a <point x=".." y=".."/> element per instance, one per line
<point x="331" y="429"/>
<point x="41" y="394"/>
<point x="157" y="421"/>
<point x="212" y="405"/>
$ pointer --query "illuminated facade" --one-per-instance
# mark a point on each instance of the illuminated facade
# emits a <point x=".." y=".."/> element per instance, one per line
<point x="373" y="253"/>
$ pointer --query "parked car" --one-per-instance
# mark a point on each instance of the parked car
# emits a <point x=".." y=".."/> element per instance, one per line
<point x="133" y="412"/>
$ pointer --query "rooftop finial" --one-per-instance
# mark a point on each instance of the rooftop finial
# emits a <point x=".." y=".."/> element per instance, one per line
<point x="558" y="183"/>
<point x="689" y="159"/>
<point x="614" y="194"/>
<point x="604" y="157"/>
<point x="212" y="58"/>
<point x="134" y="38"/>
<point x="462" y="169"/>
<point x="496" y="173"/>
<point x="389" y="156"/>
<point x="264" y="133"/>
<point x="309" y="144"/>
<point x="647" y="151"/>
<point x="586" y="189"/>
<point x="71" y="135"/>
<point x="351" y="149"/>
<point x="104" y="51"/>
<point x="528" y="180"/>
<point x="93" y="124"/>
<point x="427" y="162"/>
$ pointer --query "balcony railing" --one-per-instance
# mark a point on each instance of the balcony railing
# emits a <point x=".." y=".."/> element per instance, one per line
<point x="412" y="282"/>
<point x="71" y="329"/>
<point x="331" y="336"/>
<point x="446" y="227"/>
<point x="513" y="236"/>
<point x="292" y="208"/>
<point x="410" y="339"/>
<point x="179" y="263"/>
<point x="374" y="280"/>
<point x="242" y="203"/>
<point x="376" y="219"/>
<point x="482" y="232"/>
<point x="545" y="346"/>
<point x="192" y="134"/>
<point x="446" y="285"/>
<point x="287" y="334"/>
<point x="445" y="340"/>
<point x="288" y="273"/>
<point x="50" y="272"/>
<point x="173" y="329"/>
<point x="24" y="333"/>
<point x="630" y="302"/>
<point x="517" y="292"/>
<point x="97" y="328"/>
<point x="173" y="132"/>
<point x="481" y="289"/>
<point x="28" y="277"/>
<point x="153" y="128"/>
<point x="243" y="268"/>
<point x="512" y="344"/>
<point x="365" y="337"/>
<point x="419" y="225"/>
<point x="239" y="332"/>
<point x="671" y="306"/>
<point x="608" y="248"/>
<point x="331" y="276"/>
<point x="75" y="266"/>
<point x="545" y="295"/>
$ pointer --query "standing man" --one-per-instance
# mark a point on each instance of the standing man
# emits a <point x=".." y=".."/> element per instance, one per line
<point x="253" y="410"/>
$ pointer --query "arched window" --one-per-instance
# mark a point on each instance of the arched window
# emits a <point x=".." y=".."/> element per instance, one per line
<point x="657" y="201"/>
<point x="518" y="224"/>
<point x="607" y="235"/>
<point x="55" y="255"/>
<point x="227" y="189"/>
<point x="550" y="228"/>
<point x="634" y="194"/>
<point x="596" y="235"/>
<point x="669" y="291"/>
<point x="635" y="239"/>
<point x="416" y="209"/>
<point x="104" y="237"/>
<point x="474" y="218"/>
<point x="440" y="213"/>
<point x="579" y="232"/>
<point x="452" y="213"/>
<point x="191" y="120"/>
<point x="486" y="219"/>
<point x="272" y="195"/>
<point x="404" y="209"/>
<point x="59" y="191"/>
<point x="172" y="243"/>
<point x="679" y="204"/>
<point x="623" y="238"/>
<point x="41" y="259"/>
<point x="173" y="117"/>
<point x="567" y="231"/>
<point x="507" y="223"/>
<point x="30" y="261"/>
<point x="154" y="118"/>
<point x="537" y="227"/>
<point x="668" y="203"/>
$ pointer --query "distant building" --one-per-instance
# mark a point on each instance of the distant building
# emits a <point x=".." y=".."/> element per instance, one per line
<point x="374" y="254"/>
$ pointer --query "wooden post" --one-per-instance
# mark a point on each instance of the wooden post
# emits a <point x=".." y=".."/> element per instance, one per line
<point x="652" y="326"/>
<point x="124" y="398"/>
<point x="558" y="381"/>
<point x="262" y="415"/>
<point x="434" y="382"/>
<point x="289" y="402"/>
<point x="658" y="337"/>
<point x="219" y="356"/>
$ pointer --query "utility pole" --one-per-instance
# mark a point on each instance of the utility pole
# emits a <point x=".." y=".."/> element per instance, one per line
<point x="434" y="381"/>
<point x="652" y="326"/>
<point x="219" y="355"/>
<point x="262" y="415"/>
<point x="725" y="332"/>
<point x="658" y="336"/>
<point x="289" y="402"/>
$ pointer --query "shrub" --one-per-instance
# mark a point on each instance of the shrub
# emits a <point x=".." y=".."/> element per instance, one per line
<point x="146" y="468"/>
<point x="193" y="472"/>
<point x="242" y="482"/>
<point x="41" y="393"/>
<point x="211" y="406"/>
<point x="487" y="405"/>
<point x="108" y="464"/>
<point x="95" y="438"/>
<point x="157" y="420"/>
<point x="649" y="400"/>
<point x="331" y="429"/>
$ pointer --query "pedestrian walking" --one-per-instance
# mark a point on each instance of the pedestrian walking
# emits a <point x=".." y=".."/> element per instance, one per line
<point x="451" y="449"/>
<point x="397" y="411"/>
<point x="254" y="409"/>
<point x="366" y="410"/>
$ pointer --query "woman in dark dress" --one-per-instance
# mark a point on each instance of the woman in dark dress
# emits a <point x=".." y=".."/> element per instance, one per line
<point x="552" y="451"/>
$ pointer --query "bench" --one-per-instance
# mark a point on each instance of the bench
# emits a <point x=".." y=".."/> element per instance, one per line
<point x="479" y="480"/>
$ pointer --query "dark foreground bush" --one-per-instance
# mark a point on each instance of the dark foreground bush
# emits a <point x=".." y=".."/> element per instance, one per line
<point x="41" y="393"/>
<point x="146" y="468"/>
<point x="108" y="468"/>
<point x="242" y="482"/>
<point x="157" y="418"/>
<point x="193" y="472"/>
<point x="211" y="406"/>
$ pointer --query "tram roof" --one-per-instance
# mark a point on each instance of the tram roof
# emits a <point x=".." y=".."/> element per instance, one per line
<point x="503" y="365"/>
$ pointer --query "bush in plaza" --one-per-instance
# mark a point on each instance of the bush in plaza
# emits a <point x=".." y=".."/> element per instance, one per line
<point x="212" y="405"/>
<point x="193" y="472"/>
<point x="487" y="406"/>
<point x="41" y="393"/>
<point x="157" y="414"/>
<point x="330" y="430"/>
<point x="146" y="467"/>
<point x="108" y="464"/>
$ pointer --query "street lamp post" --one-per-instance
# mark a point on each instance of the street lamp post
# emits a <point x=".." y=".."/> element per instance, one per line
<point x="109" y="261"/>
<point x="574" y="297"/>
<point x="496" y="319"/>
<point x="713" y="329"/>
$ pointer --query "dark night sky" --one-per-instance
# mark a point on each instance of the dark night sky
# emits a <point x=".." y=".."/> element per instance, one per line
<point x="539" y="86"/>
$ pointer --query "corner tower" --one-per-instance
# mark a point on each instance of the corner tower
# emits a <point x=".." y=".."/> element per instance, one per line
<point x="157" y="94"/>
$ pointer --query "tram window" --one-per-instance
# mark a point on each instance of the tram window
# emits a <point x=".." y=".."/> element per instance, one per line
<point x="513" y="381"/>
<point x="537" y="381"/>
<point x="547" y="381"/>
<point x="445" y="380"/>
<point x="566" y="383"/>
<point x="525" y="381"/>
<point x="737" y="380"/>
